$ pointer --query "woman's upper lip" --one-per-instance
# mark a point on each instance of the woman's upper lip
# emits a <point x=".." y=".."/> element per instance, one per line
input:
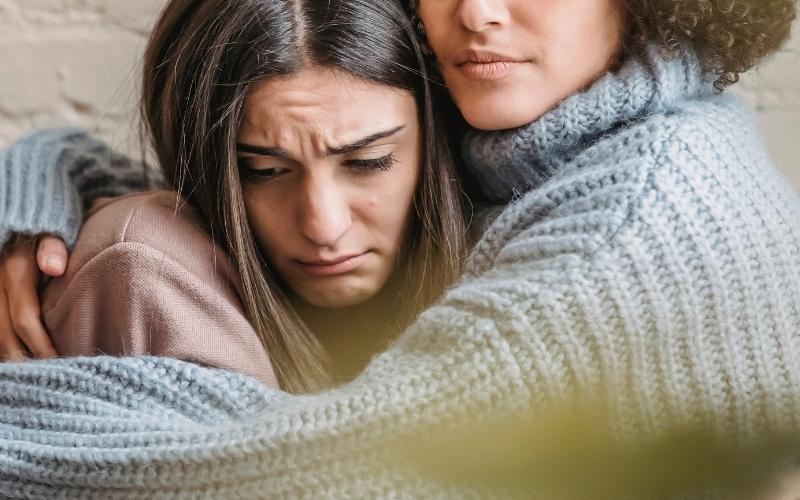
<point x="328" y="261"/>
<point x="475" y="56"/>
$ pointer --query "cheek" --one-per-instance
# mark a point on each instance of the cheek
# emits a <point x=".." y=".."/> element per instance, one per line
<point x="389" y="208"/>
<point x="424" y="8"/>
<point x="591" y="46"/>
<point x="433" y="15"/>
<point x="404" y="198"/>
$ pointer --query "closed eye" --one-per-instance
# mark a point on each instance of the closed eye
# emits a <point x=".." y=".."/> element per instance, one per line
<point x="250" y="173"/>
<point x="384" y="163"/>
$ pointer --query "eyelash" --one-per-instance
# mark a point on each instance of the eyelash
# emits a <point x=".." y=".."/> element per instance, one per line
<point x="254" y="174"/>
<point x="383" y="164"/>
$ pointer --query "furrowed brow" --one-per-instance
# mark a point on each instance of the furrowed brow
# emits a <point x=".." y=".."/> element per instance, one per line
<point x="262" y="151"/>
<point x="349" y="148"/>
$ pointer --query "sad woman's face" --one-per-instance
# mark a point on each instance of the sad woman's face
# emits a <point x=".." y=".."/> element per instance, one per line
<point x="507" y="62"/>
<point x="329" y="166"/>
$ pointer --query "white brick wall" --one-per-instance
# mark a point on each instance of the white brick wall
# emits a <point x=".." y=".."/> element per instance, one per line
<point x="72" y="62"/>
<point x="773" y="90"/>
<point x="75" y="62"/>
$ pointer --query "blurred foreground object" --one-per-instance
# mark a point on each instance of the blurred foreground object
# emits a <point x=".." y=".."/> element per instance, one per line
<point x="575" y="454"/>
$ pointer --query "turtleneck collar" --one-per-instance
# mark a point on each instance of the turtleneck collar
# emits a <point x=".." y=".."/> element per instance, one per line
<point x="502" y="164"/>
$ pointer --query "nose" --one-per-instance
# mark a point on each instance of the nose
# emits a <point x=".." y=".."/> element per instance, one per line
<point x="324" y="212"/>
<point x="480" y="15"/>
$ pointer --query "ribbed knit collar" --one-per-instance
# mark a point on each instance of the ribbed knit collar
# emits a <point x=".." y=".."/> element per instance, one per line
<point x="505" y="163"/>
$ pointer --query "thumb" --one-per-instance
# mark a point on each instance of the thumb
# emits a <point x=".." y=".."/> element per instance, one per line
<point x="51" y="256"/>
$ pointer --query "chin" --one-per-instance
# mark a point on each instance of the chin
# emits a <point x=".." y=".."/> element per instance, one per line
<point x="503" y="108"/>
<point x="335" y="297"/>
<point x="481" y="120"/>
<point x="490" y="116"/>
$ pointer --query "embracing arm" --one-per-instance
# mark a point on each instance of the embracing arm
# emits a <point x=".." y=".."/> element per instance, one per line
<point x="470" y="354"/>
<point x="639" y="280"/>
<point x="49" y="177"/>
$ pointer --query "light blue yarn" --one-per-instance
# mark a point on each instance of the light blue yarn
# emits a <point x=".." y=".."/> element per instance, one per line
<point x="656" y="250"/>
<point x="50" y="176"/>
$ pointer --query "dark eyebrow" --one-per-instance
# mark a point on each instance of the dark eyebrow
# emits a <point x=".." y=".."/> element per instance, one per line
<point x="348" y="148"/>
<point x="261" y="151"/>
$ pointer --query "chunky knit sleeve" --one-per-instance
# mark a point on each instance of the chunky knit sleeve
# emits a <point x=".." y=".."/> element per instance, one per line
<point x="50" y="176"/>
<point x="497" y="340"/>
<point x="668" y="276"/>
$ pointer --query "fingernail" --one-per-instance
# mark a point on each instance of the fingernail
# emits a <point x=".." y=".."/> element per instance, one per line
<point x="54" y="263"/>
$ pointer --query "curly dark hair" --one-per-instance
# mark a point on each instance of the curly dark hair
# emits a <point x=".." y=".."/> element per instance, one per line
<point x="730" y="36"/>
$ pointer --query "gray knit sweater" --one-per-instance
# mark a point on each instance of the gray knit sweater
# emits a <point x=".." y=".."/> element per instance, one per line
<point x="656" y="252"/>
<point x="50" y="176"/>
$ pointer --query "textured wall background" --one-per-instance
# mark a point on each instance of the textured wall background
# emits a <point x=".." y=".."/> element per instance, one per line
<point x="72" y="62"/>
<point x="75" y="62"/>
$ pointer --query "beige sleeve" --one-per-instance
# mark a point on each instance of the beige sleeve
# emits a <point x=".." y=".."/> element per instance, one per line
<point x="132" y="299"/>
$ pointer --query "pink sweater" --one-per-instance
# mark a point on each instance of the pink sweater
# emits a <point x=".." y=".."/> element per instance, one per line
<point x="145" y="279"/>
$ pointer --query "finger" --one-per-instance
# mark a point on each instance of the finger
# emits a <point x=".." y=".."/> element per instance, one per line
<point x="11" y="349"/>
<point x="23" y="303"/>
<point x="51" y="256"/>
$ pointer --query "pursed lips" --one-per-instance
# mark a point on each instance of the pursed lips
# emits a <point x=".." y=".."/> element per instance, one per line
<point x="333" y="265"/>
<point x="486" y="65"/>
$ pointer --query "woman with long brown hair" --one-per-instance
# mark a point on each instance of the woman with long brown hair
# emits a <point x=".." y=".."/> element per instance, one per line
<point x="317" y="168"/>
<point x="646" y="250"/>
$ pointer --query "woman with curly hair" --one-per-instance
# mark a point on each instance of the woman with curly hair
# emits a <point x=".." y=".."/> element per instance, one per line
<point x="642" y="246"/>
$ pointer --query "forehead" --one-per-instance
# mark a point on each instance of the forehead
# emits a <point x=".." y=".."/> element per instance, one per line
<point x="324" y="99"/>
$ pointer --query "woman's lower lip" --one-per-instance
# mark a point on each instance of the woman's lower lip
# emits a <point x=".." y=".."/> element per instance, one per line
<point x="342" y="267"/>
<point x="488" y="71"/>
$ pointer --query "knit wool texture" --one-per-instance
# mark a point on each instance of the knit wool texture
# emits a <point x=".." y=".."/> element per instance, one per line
<point x="44" y="174"/>
<point x="656" y="252"/>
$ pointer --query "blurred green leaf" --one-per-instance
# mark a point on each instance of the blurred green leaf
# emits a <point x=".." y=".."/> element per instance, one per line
<point x="573" y="454"/>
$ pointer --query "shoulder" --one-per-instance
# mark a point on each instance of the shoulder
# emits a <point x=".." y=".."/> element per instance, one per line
<point x="156" y="223"/>
<point x="719" y="126"/>
<point x="711" y="162"/>
<point x="145" y="278"/>
<point x="712" y="139"/>
<point x="712" y="130"/>
<point x="704" y="156"/>
<point x="143" y="239"/>
<point x="141" y="218"/>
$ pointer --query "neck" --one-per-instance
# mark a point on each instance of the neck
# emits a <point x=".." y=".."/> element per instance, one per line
<point x="352" y="335"/>
<point x="508" y="163"/>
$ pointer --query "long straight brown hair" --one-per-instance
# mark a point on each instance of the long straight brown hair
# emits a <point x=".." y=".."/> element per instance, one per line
<point x="203" y="58"/>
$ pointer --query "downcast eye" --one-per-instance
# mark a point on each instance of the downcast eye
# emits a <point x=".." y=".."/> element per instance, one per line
<point x="259" y="173"/>
<point x="383" y="163"/>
